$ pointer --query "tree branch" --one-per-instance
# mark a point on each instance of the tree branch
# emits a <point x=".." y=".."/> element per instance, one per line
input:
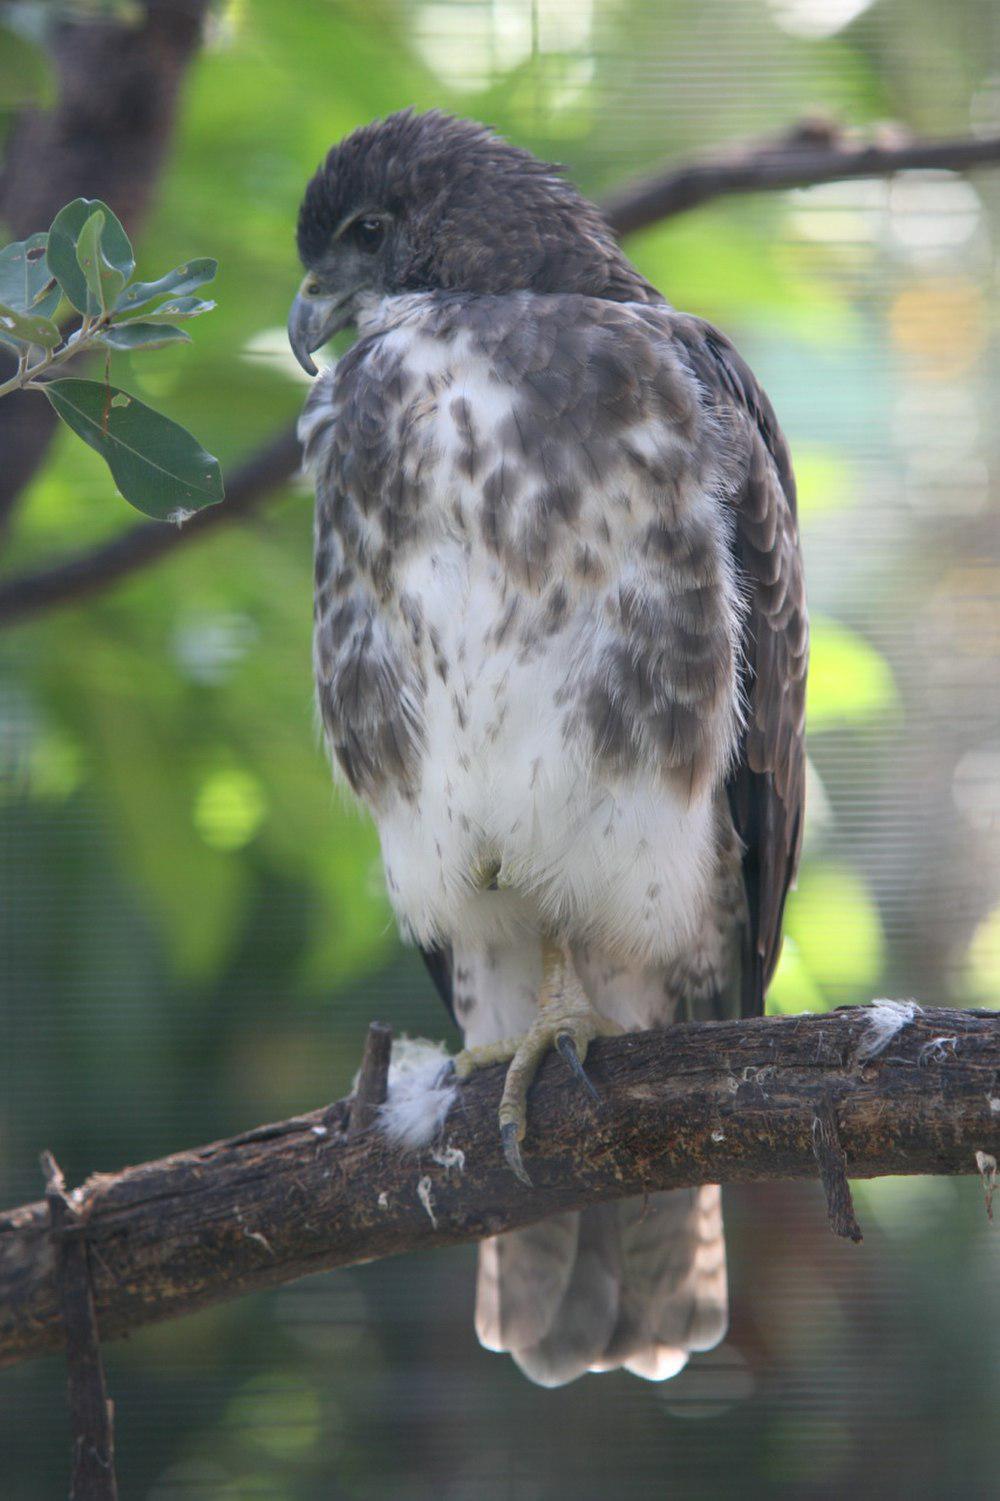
<point x="372" y="1083"/>
<point x="811" y="153"/>
<point x="92" y="1414"/>
<point x="89" y="573"/>
<point x="896" y="1091"/>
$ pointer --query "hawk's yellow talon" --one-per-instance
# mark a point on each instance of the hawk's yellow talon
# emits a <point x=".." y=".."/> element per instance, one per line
<point x="566" y="1022"/>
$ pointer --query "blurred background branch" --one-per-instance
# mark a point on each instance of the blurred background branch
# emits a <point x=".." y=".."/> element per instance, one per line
<point x="144" y="542"/>
<point x="874" y="1091"/>
<point x="813" y="152"/>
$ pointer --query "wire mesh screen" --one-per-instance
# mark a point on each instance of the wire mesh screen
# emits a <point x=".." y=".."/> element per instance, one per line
<point x="194" y="928"/>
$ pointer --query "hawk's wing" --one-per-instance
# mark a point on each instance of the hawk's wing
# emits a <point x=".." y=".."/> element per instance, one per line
<point x="438" y="963"/>
<point x="767" y="787"/>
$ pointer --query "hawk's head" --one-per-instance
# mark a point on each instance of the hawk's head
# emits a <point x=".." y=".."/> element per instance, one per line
<point x="424" y="202"/>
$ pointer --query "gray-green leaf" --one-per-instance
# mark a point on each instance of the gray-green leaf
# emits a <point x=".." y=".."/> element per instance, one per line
<point x="28" y="328"/>
<point x="137" y="335"/>
<point x="26" y="283"/>
<point x="104" y="281"/>
<point x="62" y="257"/>
<point x="174" y="307"/>
<point x="182" y="279"/>
<point x="157" y="465"/>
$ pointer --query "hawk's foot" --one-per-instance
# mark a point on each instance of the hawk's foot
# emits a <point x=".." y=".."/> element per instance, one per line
<point x="470" y="1059"/>
<point x="567" y="1022"/>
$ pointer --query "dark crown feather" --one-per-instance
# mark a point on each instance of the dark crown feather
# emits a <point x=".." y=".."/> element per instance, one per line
<point x="476" y="213"/>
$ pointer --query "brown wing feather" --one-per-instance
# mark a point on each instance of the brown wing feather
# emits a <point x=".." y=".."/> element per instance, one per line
<point x="767" y="787"/>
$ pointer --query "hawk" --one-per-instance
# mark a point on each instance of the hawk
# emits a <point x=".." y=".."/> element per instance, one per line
<point x="560" y="650"/>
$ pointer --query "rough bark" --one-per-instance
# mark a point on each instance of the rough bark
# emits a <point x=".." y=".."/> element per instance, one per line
<point x="371" y="1085"/>
<point x="722" y="1102"/>
<point x="93" y="1477"/>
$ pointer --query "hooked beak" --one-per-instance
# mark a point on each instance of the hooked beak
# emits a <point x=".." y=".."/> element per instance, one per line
<point x="315" y="319"/>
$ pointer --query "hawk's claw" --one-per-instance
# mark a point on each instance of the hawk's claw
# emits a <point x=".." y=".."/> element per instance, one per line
<point x="568" y="1052"/>
<point x="509" y="1135"/>
<point x="565" y="1021"/>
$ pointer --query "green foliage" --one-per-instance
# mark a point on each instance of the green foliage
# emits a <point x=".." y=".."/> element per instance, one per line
<point x="28" y="328"/>
<point x="26" y="283"/>
<point x="284" y="1415"/>
<point x="26" y="75"/>
<point x="793" y="988"/>
<point x="87" y="258"/>
<point x="176" y="283"/>
<point x="155" y="463"/>
<point x="104" y="281"/>
<point x="850" y="682"/>
<point x="134" y="333"/>
<point x="983" y="969"/>
<point x="86" y="246"/>
<point x="825" y="481"/>
<point x="728" y="259"/>
<point x="29" y="295"/>
<point x="173" y="308"/>
<point x="836" y="932"/>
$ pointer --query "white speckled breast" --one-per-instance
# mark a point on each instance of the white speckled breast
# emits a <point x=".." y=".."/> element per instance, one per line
<point x="527" y="622"/>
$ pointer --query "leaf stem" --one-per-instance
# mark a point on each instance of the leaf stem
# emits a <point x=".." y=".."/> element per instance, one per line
<point x="26" y="377"/>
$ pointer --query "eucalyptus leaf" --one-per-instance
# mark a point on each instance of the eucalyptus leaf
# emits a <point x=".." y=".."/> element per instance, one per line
<point x="104" y="281"/>
<point x="62" y="256"/>
<point x="26" y="283"/>
<point x="174" y="307"/>
<point x="157" y="465"/>
<point x="137" y="335"/>
<point x="28" y="328"/>
<point x="179" y="281"/>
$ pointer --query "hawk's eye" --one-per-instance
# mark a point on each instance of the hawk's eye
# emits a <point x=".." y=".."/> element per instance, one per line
<point x="368" y="232"/>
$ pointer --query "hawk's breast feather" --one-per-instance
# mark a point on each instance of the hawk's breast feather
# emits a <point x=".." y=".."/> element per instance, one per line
<point x="528" y="616"/>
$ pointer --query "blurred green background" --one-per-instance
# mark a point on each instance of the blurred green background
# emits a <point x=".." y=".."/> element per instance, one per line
<point x="194" y="932"/>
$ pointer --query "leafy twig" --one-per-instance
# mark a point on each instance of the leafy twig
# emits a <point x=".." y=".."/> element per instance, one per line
<point x="27" y="377"/>
<point x="86" y="259"/>
<point x="118" y="86"/>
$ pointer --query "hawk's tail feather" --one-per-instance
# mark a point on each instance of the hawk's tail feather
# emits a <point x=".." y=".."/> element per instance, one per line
<point x="637" y="1285"/>
<point x="523" y="1277"/>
